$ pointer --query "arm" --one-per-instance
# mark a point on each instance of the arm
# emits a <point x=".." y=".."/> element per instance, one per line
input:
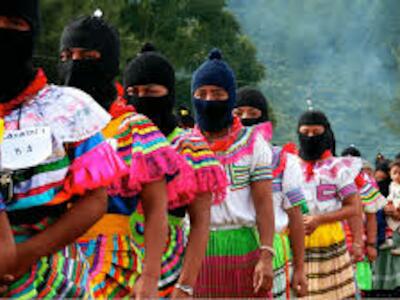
<point x="356" y="227"/>
<point x="73" y="224"/>
<point x="372" y="228"/>
<point x="199" y="212"/>
<point x="7" y="249"/>
<point x="296" y="236"/>
<point x="351" y="208"/>
<point x="154" y="200"/>
<point x="261" y="192"/>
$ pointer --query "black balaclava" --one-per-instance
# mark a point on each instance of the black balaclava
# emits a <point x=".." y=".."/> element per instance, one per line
<point x="312" y="148"/>
<point x="247" y="96"/>
<point x="351" y="151"/>
<point x="150" y="67"/>
<point x="16" y="48"/>
<point x="94" y="76"/>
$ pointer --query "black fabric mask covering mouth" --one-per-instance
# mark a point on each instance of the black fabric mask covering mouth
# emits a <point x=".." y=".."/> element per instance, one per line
<point x="312" y="147"/>
<point x="94" y="76"/>
<point x="252" y="97"/>
<point x="16" y="69"/>
<point x="213" y="115"/>
<point x="88" y="75"/>
<point x="150" y="67"/>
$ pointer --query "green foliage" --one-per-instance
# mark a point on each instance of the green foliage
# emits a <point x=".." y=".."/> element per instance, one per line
<point x="183" y="30"/>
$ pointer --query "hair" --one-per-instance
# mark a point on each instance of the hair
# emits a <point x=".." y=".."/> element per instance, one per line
<point x="395" y="163"/>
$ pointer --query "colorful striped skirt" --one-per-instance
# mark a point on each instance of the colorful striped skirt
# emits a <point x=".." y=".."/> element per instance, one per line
<point x="328" y="264"/>
<point x="387" y="268"/>
<point x="64" y="274"/>
<point x="172" y="259"/>
<point x="116" y="262"/>
<point x="282" y="265"/>
<point x="227" y="271"/>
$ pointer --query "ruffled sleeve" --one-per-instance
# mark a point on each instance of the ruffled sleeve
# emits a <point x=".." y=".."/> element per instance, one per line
<point x="292" y="183"/>
<point x="94" y="164"/>
<point x="73" y="115"/>
<point x="347" y="169"/>
<point x="209" y="175"/>
<point x="149" y="157"/>
<point x="372" y="199"/>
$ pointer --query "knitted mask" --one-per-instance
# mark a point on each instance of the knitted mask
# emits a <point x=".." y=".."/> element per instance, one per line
<point x="94" y="76"/>
<point x="150" y="67"/>
<point x="248" y="96"/>
<point x="214" y="115"/>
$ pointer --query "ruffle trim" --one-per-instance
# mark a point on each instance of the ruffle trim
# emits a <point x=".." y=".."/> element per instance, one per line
<point x="266" y="130"/>
<point x="244" y="146"/>
<point x="213" y="180"/>
<point x="164" y="162"/>
<point x="97" y="168"/>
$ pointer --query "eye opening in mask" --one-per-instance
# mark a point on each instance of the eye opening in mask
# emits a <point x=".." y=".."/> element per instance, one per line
<point x="152" y="90"/>
<point x="311" y="130"/>
<point x="79" y="54"/>
<point x="211" y="93"/>
<point x="14" y="23"/>
<point x="247" y="112"/>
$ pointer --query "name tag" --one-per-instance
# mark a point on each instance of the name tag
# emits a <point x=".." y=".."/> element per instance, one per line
<point x="25" y="148"/>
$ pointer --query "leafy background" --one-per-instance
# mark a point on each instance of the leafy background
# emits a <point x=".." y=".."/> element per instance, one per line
<point x="343" y="55"/>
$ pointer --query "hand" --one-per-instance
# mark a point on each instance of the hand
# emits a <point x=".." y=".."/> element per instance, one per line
<point x="372" y="253"/>
<point x="25" y="259"/>
<point x="389" y="209"/>
<point x="299" y="283"/>
<point x="310" y="224"/>
<point x="177" y="293"/>
<point x="5" y="282"/>
<point x="146" y="287"/>
<point x="358" y="252"/>
<point x="263" y="274"/>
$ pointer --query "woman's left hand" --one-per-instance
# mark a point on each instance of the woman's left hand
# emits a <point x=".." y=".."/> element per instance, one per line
<point x="310" y="224"/>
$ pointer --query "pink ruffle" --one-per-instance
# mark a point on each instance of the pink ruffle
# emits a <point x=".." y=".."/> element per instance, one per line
<point x="266" y="130"/>
<point x="97" y="168"/>
<point x="163" y="162"/>
<point x="212" y="180"/>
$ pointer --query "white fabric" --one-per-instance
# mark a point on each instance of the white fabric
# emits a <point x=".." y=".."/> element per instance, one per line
<point x="330" y="177"/>
<point x="394" y="196"/>
<point x="238" y="207"/>
<point x="291" y="179"/>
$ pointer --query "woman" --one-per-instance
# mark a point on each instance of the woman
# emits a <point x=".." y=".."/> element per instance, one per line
<point x="252" y="108"/>
<point x="238" y="260"/>
<point x="332" y="197"/>
<point x="149" y="81"/>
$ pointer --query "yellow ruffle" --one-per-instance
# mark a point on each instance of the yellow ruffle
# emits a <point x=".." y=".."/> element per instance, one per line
<point x="325" y="235"/>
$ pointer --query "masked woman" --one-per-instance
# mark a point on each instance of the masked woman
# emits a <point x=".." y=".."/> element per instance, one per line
<point x="90" y="60"/>
<point x="332" y="197"/>
<point x="55" y="165"/>
<point x="149" y="82"/>
<point x="252" y="109"/>
<point x="237" y="263"/>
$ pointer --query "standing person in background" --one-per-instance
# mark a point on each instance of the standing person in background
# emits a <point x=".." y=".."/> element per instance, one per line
<point x="185" y="118"/>
<point x="149" y="81"/>
<point x="56" y="183"/>
<point x="332" y="197"/>
<point x="372" y="200"/>
<point x="252" y="109"/>
<point x="236" y="265"/>
<point x="90" y="60"/>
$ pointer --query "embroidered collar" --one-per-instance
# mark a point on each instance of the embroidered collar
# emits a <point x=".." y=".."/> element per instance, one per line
<point x="38" y="83"/>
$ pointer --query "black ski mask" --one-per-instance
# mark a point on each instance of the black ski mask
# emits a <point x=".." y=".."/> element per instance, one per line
<point x="312" y="147"/>
<point x="16" y="48"/>
<point x="248" y="96"/>
<point x="94" y="76"/>
<point x="150" y="67"/>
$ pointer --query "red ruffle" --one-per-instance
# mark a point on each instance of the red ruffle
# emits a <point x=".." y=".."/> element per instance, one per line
<point x="97" y="168"/>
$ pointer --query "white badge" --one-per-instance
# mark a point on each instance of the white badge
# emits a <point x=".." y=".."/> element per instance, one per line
<point x="25" y="148"/>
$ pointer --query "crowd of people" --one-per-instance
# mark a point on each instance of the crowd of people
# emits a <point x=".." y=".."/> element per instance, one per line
<point x="105" y="192"/>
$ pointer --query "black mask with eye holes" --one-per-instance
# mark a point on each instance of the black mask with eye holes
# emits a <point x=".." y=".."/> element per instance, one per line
<point x="94" y="76"/>
<point x="248" y="96"/>
<point x="312" y="147"/>
<point x="16" y="48"/>
<point x="151" y="67"/>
